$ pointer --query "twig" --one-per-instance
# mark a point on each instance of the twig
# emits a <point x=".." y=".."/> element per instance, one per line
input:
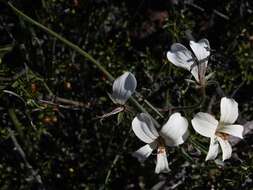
<point x="195" y="106"/>
<point x="219" y="90"/>
<point x="77" y="49"/>
<point x="237" y="89"/>
<point x="221" y="14"/>
<point x="115" y="160"/>
<point x="19" y="149"/>
<point x="196" y="6"/>
<point x="62" y="39"/>
<point x="218" y="13"/>
<point x="14" y="77"/>
<point x="153" y="108"/>
<point x="56" y="101"/>
<point x="210" y="105"/>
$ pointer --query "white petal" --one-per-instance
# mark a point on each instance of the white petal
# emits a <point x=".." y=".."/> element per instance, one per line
<point x="162" y="163"/>
<point x="205" y="124"/>
<point x="144" y="152"/>
<point x="234" y="130"/>
<point x="229" y="110"/>
<point x="175" y="131"/>
<point x="180" y="56"/>
<point x="213" y="149"/>
<point x="144" y="129"/>
<point x="201" y="49"/>
<point x="195" y="72"/>
<point x="123" y="87"/>
<point x="226" y="148"/>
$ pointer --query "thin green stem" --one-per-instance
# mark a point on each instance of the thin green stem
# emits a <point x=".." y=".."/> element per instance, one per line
<point x="79" y="50"/>
<point x="141" y="108"/>
<point x="153" y="108"/>
<point x="218" y="87"/>
<point x="195" y="106"/>
<point x="116" y="159"/>
<point x="62" y="39"/>
<point x="198" y="145"/>
<point x="15" y="121"/>
<point x="35" y="175"/>
<point x="6" y="49"/>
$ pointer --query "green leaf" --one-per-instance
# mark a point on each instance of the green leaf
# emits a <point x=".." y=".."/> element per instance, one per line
<point x="5" y="49"/>
<point x="120" y="117"/>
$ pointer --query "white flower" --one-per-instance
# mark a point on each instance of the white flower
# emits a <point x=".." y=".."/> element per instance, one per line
<point x="219" y="131"/>
<point x="123" y="87"/>
<point x="196" y="63"/>
<point x="173" y="133"/>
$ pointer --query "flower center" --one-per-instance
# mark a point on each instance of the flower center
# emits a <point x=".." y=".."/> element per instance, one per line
<point x="161" y="145"/>
<point x="224" y="136"/>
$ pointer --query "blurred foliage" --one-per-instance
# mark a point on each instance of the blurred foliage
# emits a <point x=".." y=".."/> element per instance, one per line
<point x="43" y="81"/>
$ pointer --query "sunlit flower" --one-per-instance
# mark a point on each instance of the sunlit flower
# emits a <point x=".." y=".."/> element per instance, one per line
<point x="123" y="88"/>
<point x="173" y="133"/>
<point x="196" y="63"/>
<point x="219" y="131"/>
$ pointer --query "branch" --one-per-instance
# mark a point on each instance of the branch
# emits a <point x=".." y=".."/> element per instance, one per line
<point x="14" y="77"/>
<point x="115" y="160"/>
<point x="63" y="102"/>
<point x="195" y="106"/>
<point x="62" y="39"/>
<point x="77" y="49"/>
<point x="19" y="149"/>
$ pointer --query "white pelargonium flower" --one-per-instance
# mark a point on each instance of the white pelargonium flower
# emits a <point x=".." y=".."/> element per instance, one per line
<point x="219" y="131"/>
<point x="196" y="63"/>
<point x="173" y="133"/>
<point x="123" y="87"/>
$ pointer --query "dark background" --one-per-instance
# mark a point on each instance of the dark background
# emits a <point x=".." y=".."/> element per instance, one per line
<point x="71" y="149"/>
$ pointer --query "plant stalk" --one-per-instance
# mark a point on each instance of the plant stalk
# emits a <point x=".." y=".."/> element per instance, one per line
<point x="80" y="51"/>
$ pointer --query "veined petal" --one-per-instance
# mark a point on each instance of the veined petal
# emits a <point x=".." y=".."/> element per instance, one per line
<point x="162" y="163"/>
<point x="226" y="148"/>
<point x="123" y="87"/>
<point x="229" y="110"/>
<point x="201" y="49"/>
<point x="175" y="131"/>
<point x="144" y="152"/>
<point x="213" y="149"/>
<point x="205" y="124"/>
<point x="195" y="72"/>
<point x="144" y="129"/>
<point x="180" y="56"/>
<point x="234" y="130"/>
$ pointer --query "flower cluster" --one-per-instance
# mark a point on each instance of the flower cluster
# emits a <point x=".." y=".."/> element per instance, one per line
<point x="175" y="131"/>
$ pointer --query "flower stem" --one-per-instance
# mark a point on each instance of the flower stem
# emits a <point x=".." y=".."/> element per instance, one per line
<point x="64" y="40"/>
<point x="16" y="122"/>
<point x="116" y="159"/>
<point x="80" y="51"/>
<point x="195" y="106"/>
<point x="141" y="108"/>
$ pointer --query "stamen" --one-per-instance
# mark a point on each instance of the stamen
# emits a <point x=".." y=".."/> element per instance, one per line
<point x="161" y="150"/>
<point x="161" y="145"/>
<point x="224" y="136"/>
